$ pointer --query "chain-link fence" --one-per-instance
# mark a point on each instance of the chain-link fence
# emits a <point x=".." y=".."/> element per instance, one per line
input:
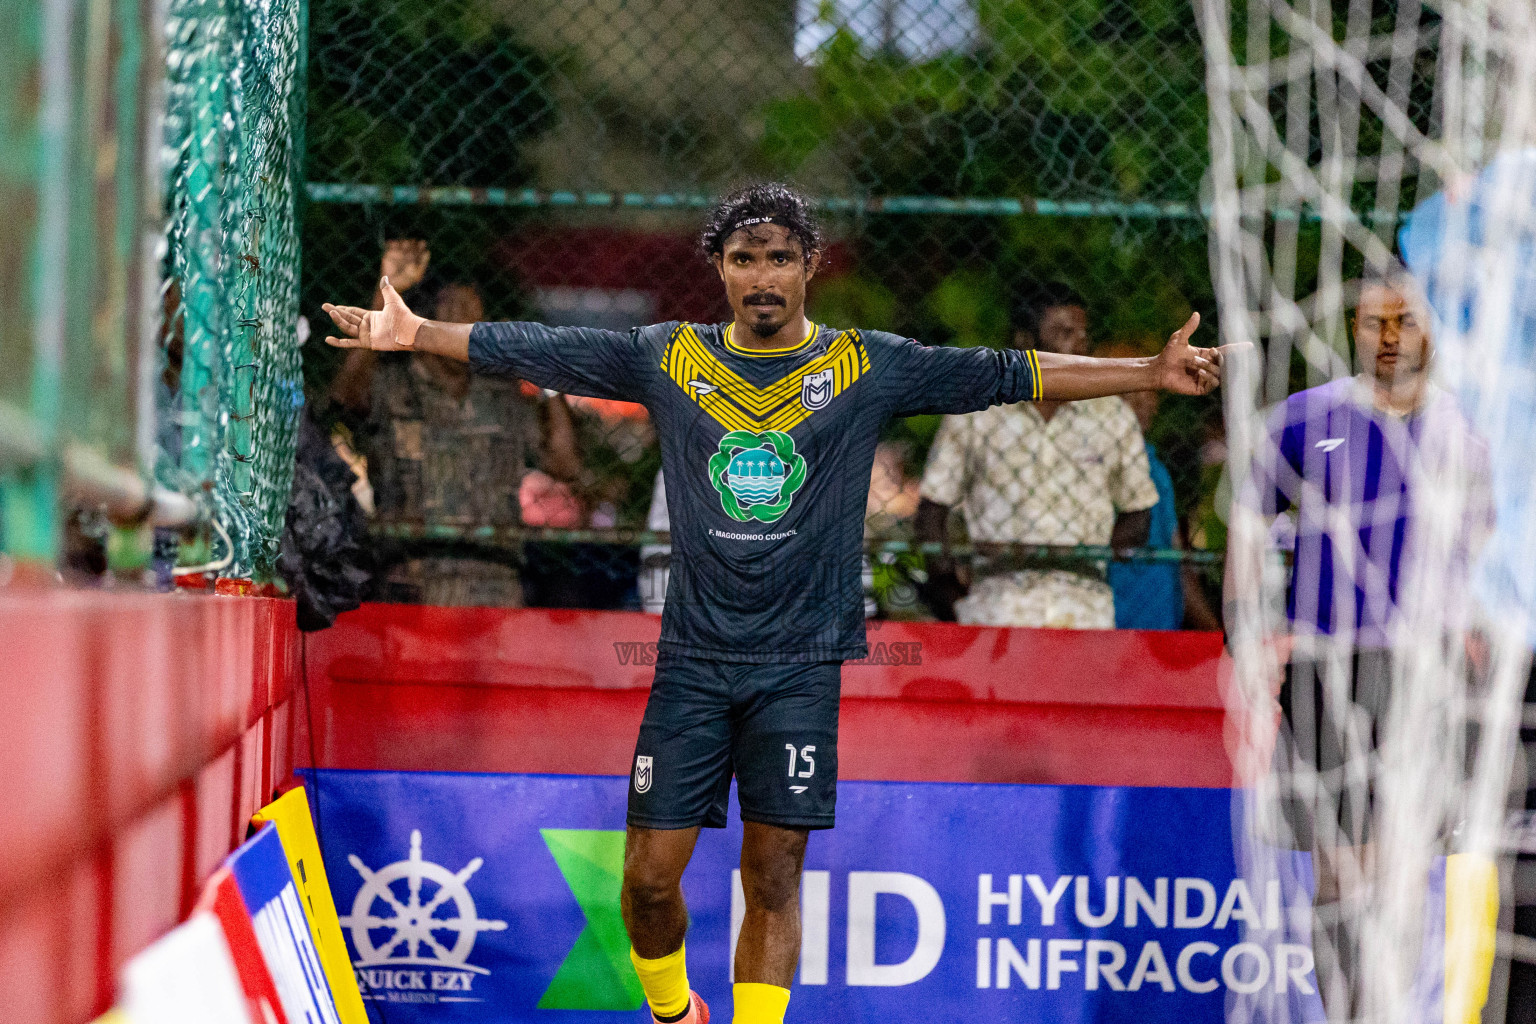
<point x="71" y="149"/>
<point x="149" y="299"/>
<point x="229" y="389"/>
<point x="558" y="155"/>
<point x="555" y="157"/>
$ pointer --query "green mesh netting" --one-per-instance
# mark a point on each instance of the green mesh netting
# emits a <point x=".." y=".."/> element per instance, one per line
<point x="231" y="387"/>
<point x="71" y="159"/>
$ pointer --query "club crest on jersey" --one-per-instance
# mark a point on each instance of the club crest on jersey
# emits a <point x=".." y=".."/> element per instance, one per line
<point x="642" y="774"/>
<point x="816" y="389"/>
<point x="756" y="475"/>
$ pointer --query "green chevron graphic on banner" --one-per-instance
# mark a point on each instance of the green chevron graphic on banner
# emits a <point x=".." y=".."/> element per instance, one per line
<point x="596" y="973"/>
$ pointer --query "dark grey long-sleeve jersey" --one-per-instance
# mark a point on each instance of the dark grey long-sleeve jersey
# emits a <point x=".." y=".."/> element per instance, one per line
<point x="767" y="459"/>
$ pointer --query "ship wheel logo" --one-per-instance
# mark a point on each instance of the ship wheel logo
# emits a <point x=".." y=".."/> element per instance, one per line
<point x="416" y="922"/>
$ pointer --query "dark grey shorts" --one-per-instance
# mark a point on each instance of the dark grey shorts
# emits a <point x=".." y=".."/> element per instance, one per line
<point x="774" y="727"/>
<point x="1327" y="759"/>
<point x="1325" y="756"/>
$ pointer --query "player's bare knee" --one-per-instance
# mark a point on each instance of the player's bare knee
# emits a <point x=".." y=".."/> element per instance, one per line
<point x="775" y="892"/>
<point x="653" y="866"/>
<point x="771" y="859"/>
<point x="647" y="886"/>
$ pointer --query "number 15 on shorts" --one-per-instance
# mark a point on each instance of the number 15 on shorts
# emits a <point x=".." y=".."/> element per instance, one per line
<point x="804" y="754"/>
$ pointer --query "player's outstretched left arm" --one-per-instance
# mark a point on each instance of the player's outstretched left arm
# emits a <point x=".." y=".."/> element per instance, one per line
<point x="1180" y="367"/>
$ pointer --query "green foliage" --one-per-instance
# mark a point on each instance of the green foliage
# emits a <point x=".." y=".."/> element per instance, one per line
<point x="1083" y="99"/>
<point x="971" y="306"/>
<point x="430" y="94"/>
<point x="437" y="94"/>
<point x="849" y="299"/>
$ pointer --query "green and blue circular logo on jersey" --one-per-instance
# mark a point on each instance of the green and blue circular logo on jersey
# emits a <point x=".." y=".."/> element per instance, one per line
<point x="757" y="475"/>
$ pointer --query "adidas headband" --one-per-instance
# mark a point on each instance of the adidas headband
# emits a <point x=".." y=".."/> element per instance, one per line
<point x="747" y="222"/>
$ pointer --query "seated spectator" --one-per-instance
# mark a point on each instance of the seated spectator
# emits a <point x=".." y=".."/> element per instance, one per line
<point x="447" y="448"/>
<point x="1059" y="473"/>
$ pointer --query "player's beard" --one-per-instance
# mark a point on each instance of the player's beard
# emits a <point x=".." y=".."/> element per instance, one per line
<point x="767" y="328"/>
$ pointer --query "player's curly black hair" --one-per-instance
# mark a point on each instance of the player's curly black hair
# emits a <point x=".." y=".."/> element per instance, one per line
<point x="767" y="202"/>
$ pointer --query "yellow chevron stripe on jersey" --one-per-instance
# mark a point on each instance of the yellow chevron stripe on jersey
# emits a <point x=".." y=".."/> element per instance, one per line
<point x="1036" y="385"/>
<point x="736" y="403"/>
<point x="760" y="401"/>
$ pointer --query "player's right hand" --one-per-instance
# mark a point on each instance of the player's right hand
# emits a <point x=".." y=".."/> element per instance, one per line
<point x="391" y="329"/>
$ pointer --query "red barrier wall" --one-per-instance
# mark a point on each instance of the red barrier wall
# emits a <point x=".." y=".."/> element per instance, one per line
<point x="536" y="690"/>
<point x="140" y="733"/>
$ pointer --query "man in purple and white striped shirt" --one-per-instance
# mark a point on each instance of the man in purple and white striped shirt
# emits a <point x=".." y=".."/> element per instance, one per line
<point x="1350" y="457"/>
<point x="1362" y="463"/>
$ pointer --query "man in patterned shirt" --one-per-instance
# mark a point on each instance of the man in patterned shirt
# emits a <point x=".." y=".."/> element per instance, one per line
<point x="1060" y="473"/>
<point x="768" y="428"/>
<point x="429" y="430"/>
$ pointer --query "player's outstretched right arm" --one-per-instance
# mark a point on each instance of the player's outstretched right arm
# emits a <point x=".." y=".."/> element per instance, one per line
<point x="573" y="360"/>
<point x="394" y="328"/>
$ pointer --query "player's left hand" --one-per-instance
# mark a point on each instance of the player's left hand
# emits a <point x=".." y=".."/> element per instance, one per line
<point x="1184" y="369"/>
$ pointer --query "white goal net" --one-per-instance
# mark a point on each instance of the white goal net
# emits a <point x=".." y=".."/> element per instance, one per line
<point x="1381" y="438"/>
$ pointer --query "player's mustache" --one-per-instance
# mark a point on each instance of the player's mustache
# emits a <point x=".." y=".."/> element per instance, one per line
<point x="764" y="299"/>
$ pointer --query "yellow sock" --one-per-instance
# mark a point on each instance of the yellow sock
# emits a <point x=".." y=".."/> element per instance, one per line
<point x="1471" y="927"/>
<point x="665" y="981"/>
<point x="760" y="1004"/>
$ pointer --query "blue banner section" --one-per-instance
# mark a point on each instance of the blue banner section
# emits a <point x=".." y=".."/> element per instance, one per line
<point x="495" y="898"/>
<point x="260" y="868"/>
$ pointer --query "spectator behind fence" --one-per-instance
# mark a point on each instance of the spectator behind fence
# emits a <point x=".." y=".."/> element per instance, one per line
<point x="1150" y="595"/>
<point x="1060" y="473"/>
<point x="445" y="448"/>
<point x="893" y="495"/>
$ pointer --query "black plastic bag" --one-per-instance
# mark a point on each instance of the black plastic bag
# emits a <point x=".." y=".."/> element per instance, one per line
<point x="323" y="556"/>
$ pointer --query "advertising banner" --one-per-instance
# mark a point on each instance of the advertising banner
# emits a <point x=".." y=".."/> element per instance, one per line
<point x="187" y="976"/>
<point x="289" y="814"/>
<point x="221" y="898"/>
<point x="496" y="897"/>
<point x="261" y="873"/>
